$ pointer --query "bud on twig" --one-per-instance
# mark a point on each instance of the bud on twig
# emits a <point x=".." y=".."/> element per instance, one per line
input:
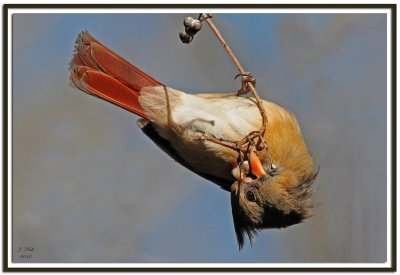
<point x="185" y="37"/>
<point x="192" y="26"/>
<point x="188" y="21"/>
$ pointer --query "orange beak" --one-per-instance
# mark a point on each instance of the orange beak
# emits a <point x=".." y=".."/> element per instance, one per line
<point x="256" y="165"/>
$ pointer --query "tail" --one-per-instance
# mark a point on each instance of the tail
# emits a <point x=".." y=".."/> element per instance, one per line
<point x="99" y="71"/>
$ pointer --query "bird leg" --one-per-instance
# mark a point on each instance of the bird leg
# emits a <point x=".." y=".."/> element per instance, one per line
<point x="242" y="145"/>
<point x="222" y="142"/>
<point x="248" y="86"/>
<point x="253" y="141"/>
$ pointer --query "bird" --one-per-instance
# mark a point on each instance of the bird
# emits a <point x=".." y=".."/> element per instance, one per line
<point x="270" y="188"/>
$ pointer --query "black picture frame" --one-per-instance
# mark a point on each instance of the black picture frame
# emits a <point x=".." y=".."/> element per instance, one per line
<point x="393" y="107"/>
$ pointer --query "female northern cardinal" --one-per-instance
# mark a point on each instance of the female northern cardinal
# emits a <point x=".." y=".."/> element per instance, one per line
<point x="269" y="196"/>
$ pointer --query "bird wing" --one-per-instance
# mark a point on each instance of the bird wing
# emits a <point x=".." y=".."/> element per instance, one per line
<point x="148" y="129"/>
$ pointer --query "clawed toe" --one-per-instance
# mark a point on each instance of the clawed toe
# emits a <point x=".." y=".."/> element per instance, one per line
<point x="246" y="78"/>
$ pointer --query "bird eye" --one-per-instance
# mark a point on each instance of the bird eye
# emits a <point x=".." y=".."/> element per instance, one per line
<point x="250" y="196"/>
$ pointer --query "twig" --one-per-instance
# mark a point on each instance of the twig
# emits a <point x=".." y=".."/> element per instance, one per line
<point x="207" y="18"/>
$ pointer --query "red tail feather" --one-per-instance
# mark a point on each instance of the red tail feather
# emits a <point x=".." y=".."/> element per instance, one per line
<point x="97" y="70"/>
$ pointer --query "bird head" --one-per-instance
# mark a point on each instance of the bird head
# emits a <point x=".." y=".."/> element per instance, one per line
<point x="268" y="197"/>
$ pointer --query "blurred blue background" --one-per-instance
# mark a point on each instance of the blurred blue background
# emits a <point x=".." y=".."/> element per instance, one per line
<point x="88" y="186"/>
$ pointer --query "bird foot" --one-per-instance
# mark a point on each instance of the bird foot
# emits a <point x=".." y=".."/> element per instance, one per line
<point x="247" y="149"/>
<point x="246" y="78"/>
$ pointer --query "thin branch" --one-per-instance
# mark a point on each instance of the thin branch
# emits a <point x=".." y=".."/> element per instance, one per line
<point x="207" y="18"/>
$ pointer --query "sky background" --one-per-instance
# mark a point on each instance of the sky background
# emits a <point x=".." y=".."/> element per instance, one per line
<point x="88" y="186"/>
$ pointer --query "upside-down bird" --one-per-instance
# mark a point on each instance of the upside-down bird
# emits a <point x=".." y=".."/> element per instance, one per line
<point x="270" y="187"/>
